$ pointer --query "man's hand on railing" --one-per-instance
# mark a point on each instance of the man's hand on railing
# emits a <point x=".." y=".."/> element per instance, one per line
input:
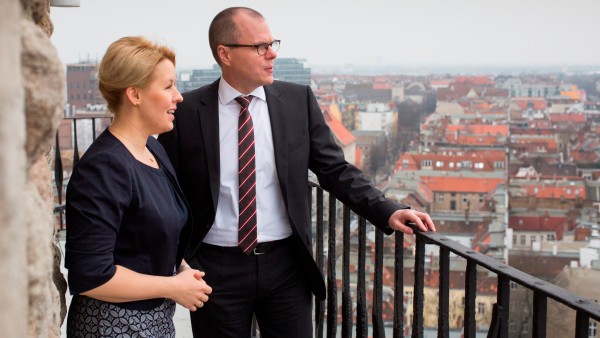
<point x="400" y="219"/>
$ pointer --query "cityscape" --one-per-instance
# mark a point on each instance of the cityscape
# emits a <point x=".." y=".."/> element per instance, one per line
<point x="507" y="164"/>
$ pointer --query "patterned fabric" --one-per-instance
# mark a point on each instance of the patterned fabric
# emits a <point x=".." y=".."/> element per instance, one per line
<point x="247" y="178"/>
<point x="89" y="317"/>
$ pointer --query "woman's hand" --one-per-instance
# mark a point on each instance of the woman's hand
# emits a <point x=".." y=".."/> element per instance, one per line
<point x="189" y="289"/>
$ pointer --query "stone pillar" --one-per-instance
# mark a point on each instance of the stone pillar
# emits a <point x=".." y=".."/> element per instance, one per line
<point x="44" y="84"/>
<point x="31" y="103"/>
<point x="13" y="170"/>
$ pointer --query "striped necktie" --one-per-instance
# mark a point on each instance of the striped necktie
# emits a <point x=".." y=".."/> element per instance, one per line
<point x="247" y="178"/>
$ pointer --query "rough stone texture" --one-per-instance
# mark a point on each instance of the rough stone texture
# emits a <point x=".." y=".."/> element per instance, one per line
<point x="32" y="287"/>
<point x="47" y="285"/>
<point x="13" y="278"/>
<point x="38" y="11"/>
<point x="44" y="81"/>
<point x="44" y="100"/>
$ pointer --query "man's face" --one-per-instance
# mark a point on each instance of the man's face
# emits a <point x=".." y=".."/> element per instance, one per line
<point x="244" y="69"/>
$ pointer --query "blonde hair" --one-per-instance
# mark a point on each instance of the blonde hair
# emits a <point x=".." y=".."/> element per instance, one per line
<point x="129" y="62"/>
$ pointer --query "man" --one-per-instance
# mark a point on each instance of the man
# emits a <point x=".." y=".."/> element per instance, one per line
<point x="269" y="273"/>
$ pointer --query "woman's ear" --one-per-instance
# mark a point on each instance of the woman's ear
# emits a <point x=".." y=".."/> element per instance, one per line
<point x="133" y="95"/>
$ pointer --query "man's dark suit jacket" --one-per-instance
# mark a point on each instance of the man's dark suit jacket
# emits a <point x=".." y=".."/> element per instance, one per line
<point x="302" y="141"/>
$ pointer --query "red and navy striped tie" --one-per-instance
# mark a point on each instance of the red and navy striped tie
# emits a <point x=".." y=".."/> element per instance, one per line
<point x="247" y="178"/>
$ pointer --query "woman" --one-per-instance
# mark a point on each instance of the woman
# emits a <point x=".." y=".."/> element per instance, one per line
<point x="127" y="219"/>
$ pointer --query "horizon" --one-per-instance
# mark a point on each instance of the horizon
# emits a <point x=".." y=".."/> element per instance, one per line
<point x="428" y="33"/>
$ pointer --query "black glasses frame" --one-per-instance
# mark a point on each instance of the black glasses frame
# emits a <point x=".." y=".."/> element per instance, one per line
<point x="264" y="47"/>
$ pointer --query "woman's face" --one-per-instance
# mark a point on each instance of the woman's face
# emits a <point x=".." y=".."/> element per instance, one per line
<point x="158" y="100"/>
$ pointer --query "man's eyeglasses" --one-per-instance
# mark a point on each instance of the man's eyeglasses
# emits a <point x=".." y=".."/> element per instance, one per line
<point x="261" y="48"/>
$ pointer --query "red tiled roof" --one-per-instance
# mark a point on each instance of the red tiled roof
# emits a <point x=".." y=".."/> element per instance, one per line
<point x="475" y="80"/>
<point x="381" y="85"/>
<point x="461" y="184"/>
<point x="479" y="129"/>
<point x="358" y="157"/>
<point x="337" y="128"/>
<point x="537" y="103"/>
<point x="558" y="118"/>
<point x="548" y="191"/>
<point x="443" y="161"/>
<point x="537" y="223"/>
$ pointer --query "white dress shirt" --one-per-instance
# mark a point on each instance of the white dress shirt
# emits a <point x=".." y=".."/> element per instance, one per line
<point x="273" y="223"/>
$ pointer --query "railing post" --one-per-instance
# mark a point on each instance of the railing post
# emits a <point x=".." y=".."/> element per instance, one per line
<point x="470" y="291"/>
<point x="362" y="319"/>
<point x="582" y="325"/>
<point x="346" y="296"/>
<point x="540" y="305"/>
<point x="58" y="179"/>
<point x="75" y="144"/>
<point x="320" y="258"/>
<point x="399" y="285"/>
<point x="377" y="313"/>
<point x="444" y="294"/>
<point x="331" y="274"/>
<point x="503" y="298"/>
<point x="418" y="294"/>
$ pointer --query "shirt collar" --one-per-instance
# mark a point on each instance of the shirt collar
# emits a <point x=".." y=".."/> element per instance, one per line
<point x="227" y="93"/>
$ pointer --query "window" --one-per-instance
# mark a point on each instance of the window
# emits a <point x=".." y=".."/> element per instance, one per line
<point x="479" y="165"/>
<point x="480" y="308"/>
<point x="441" y="198"/>
<point x="512" y="326"/>
<point x="513" y="285"/>
<point x="405" y="163"/>
<point x="427" y="163"/>
<point x="452" y="205"/>
<point x="525" y="328"/>
<point x="523" y="240"/>
<point x="466" y="164"/>
<point x="498" y="164"/>
<point x="514" y="239"/>
<point x="593" y="329"/>
<point x="480" y="198"/>
<point x="533" y="238"/>
<point x="451" y="164"/>
<point x="439" y="164"/>
<point x="550" y="237"/>
<point x="464" y="198"/>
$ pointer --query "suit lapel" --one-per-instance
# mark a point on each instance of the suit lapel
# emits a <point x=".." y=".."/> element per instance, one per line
<point x="277" y="114"/>
<point x="208" y="114"/>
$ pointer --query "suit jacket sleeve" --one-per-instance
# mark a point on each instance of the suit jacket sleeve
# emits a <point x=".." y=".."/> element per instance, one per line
<point x="342" y="179"/>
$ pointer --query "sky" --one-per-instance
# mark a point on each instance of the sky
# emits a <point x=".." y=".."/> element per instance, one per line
<point x="351" y="32"/>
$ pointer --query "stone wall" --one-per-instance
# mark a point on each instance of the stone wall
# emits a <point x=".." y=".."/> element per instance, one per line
<point x="31" y="103"/>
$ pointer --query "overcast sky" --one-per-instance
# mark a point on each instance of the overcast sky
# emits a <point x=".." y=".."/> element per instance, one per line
<point x="358" y="32"/>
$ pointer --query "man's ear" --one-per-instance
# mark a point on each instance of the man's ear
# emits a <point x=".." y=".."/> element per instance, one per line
<point x="223" y="54"/>
<point x="133" y="95"/>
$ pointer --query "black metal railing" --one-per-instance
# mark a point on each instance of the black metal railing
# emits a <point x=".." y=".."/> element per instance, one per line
<point x="67" y="138"/>
<point x="359" y="317"/>
<point x="585" y="309"/>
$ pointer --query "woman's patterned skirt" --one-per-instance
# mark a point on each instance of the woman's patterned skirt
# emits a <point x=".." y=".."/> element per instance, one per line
<point x="89" y="317"/>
